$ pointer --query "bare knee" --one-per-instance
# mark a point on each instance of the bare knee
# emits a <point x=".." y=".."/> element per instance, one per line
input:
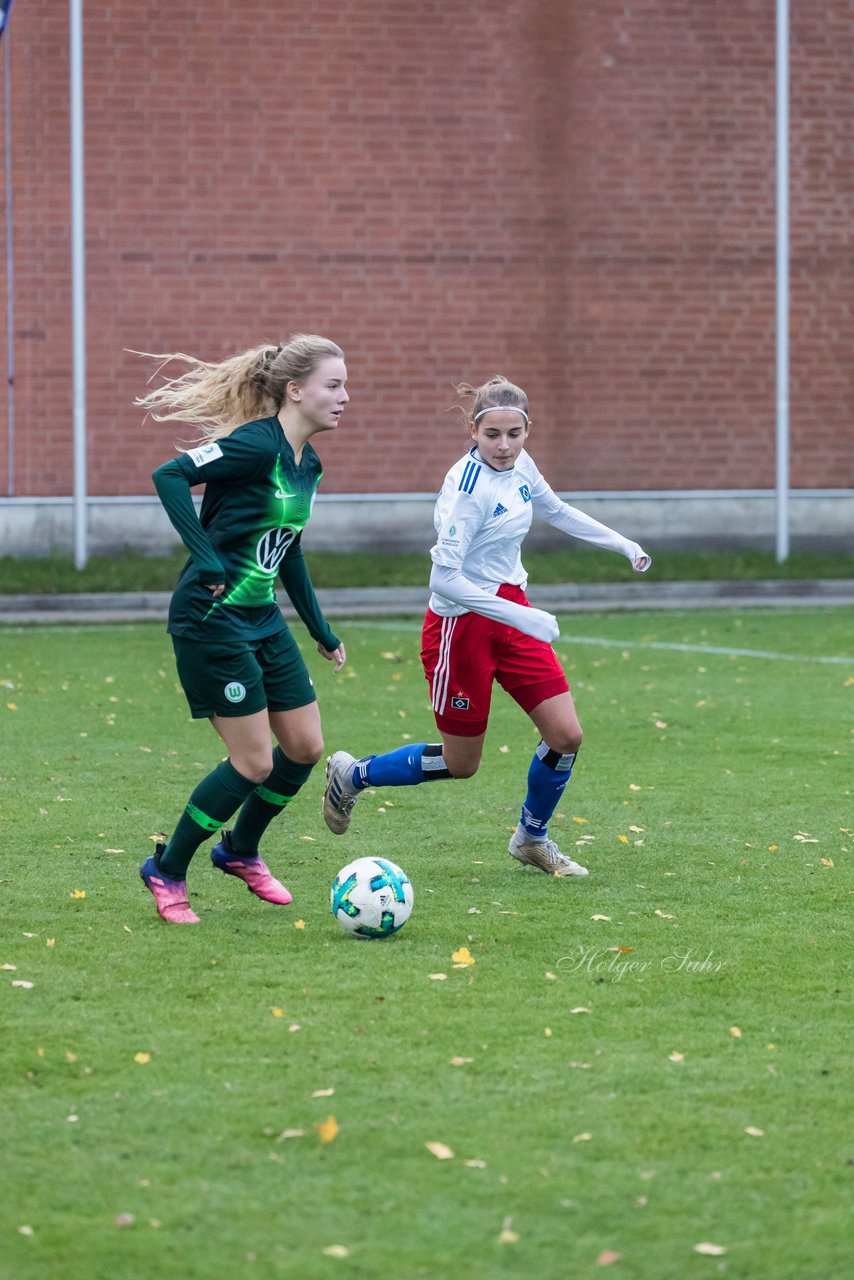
<point x="311" y="753"/>
<point x="255" y="765"/>
<point x="463" y="768"/>
<point x="567" y="742"/>
<point x="462" y="763"/>
<point x="306" y="750"/>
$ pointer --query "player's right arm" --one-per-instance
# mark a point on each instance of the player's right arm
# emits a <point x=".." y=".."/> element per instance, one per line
<point x="458" y="517"/>
<point x="173" y="489"/>
<point x="233" y="458"/>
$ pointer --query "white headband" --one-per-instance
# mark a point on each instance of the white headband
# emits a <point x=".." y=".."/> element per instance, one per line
<point x="502" y="408"/>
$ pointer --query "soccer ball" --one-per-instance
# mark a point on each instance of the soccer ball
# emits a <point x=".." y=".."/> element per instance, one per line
<point x="371" y="898"/>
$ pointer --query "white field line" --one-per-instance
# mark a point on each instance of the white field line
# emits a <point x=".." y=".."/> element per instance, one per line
<point x="595" y="641"/>
<point x="719" y="650"/>
<point x="642" y="645"/>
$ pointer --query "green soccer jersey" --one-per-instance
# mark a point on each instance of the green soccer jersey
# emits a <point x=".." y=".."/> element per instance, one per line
<point x="257" y="502"/>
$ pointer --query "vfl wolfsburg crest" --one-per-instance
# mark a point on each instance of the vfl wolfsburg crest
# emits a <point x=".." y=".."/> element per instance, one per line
<point x="235" y="691"/>
<point x="270" y="551"/>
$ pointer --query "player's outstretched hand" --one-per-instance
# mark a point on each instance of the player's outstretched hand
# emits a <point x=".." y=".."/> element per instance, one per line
<point x="338" y="656"/>
<point x="641" y="563"/>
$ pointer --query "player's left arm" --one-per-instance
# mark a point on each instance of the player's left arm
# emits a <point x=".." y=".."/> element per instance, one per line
<point x="579" y="525"/>
<point x="298" y="585"/>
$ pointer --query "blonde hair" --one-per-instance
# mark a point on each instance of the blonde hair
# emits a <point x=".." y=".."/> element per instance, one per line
<point x="494" y="394"/>
<point x="218" y="397"/>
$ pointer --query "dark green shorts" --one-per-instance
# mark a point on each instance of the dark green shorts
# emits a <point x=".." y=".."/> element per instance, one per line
<point x="242" y="678"/>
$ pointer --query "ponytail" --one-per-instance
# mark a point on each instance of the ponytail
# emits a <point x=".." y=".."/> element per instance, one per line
<point x="218" y="397"/>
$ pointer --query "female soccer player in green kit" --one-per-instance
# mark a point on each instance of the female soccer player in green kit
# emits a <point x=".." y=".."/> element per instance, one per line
<point x="237" y="661"/>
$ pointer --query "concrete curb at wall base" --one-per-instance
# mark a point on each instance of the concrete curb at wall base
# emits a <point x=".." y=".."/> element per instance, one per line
<point x="352" y="602"/>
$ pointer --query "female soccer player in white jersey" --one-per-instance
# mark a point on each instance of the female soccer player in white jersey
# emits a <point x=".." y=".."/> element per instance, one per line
<point x="480" y="627"/>
<point x="237" y="661"/>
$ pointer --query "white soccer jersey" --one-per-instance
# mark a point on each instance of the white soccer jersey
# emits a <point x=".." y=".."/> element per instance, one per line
<point x="481" y="519"/>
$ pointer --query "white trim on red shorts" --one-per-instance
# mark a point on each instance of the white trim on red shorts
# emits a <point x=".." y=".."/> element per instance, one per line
<point x="443" y="667"/>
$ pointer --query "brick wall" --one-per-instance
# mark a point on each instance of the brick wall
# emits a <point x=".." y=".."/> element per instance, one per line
<point x="578" y="195"/>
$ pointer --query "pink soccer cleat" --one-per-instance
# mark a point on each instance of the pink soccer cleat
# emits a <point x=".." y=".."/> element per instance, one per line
<point x="252" y="870"/>
<point x="170" y="895"/>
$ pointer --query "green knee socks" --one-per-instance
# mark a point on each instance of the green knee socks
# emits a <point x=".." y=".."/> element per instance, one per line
<point x="267" y="801"/>
<point x="214" y="801"/>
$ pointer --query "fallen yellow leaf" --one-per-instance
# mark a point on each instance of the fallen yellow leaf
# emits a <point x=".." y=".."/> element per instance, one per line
<point x="327" y="1129"/>
<point x="463" y="957"/>
<point x="277" y="1013"/>
<point x="337" y="1251"/>
<point x="600" y="917"/>
<point x="78" y="893"/>
<point x="439" y="1150"/>
<point x="142" y="1058"/>
<point x="582" y="1137"/>
<point x="736" y="1032"/>
<point x="507" y="1234"/>
<point x="710" y="1250"/>
<point x="437" y="977"/>
<point x="754" y="1132"/>
<point x="606" y="1257"/>
<point x="299" y="924"/>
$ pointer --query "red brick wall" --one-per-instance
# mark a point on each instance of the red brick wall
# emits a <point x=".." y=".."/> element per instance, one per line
<point x="578" y="195"/>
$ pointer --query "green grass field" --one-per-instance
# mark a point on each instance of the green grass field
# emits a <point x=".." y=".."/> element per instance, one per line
<point x="653" y="1062"/>
<point x="132" y="571"/>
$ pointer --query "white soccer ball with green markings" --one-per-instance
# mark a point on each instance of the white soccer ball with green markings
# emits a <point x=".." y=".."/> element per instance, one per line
<point x="371" y="898"/>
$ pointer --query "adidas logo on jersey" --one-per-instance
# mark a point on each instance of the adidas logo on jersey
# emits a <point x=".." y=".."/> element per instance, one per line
<point x="500" y="511"/>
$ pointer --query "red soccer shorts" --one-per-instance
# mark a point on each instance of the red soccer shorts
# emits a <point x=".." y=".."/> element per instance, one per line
<point x="462" y="657"/>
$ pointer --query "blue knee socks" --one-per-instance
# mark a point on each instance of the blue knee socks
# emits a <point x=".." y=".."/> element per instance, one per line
<point x="404" y="767"/>
<point x="548" y="775"/>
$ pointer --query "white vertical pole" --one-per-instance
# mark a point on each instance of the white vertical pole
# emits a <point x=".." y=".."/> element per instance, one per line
<point x="10" y="272"/>
<point x="782" y="430"/>
<point x="78" y="282"/>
